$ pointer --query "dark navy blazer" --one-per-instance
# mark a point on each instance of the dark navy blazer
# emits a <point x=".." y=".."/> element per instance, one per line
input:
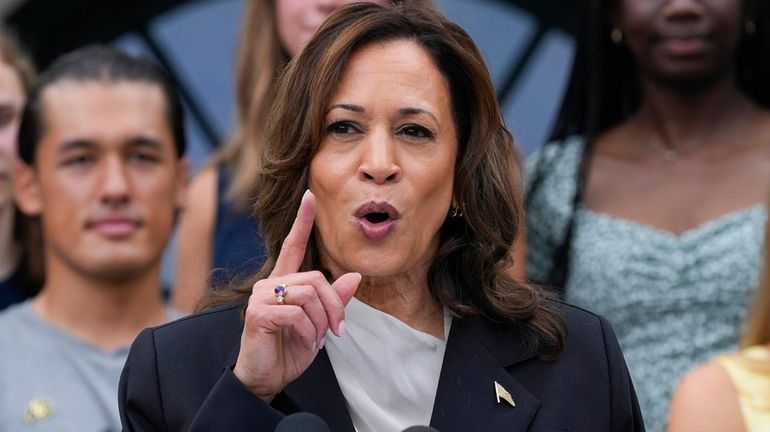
<point x="178" y="377"/>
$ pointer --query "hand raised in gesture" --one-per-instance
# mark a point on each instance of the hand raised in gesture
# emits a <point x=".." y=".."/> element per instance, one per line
<point x="281" y="339"/>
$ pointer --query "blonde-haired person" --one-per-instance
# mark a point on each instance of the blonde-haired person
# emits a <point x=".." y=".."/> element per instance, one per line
<point x="217" y="229"/>
<point x="20" y="271"/>
<point x="731" y="393"/>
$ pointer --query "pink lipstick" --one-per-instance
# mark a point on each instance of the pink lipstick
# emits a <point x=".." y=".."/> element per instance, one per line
<point x="376" y="219"/>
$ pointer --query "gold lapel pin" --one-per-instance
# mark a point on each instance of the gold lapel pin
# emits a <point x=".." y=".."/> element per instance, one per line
<point x="38" y="409"/>
<point x="501" y="393"/>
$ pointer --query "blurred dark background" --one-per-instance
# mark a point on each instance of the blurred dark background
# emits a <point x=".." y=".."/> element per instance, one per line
<point x="527" y="44"/>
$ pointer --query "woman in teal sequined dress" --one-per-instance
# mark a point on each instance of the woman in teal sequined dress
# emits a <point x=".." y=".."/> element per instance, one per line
<point x="647" y="207"/>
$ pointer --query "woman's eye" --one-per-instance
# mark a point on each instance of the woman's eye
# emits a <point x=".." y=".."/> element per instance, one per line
<point x="342" y="128"/>
<point x="416" y="131"/>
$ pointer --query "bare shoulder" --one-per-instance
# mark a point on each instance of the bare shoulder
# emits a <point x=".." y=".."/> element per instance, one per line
<point x="705" y="401"/>
<point x="198" y="215"/>
<point x="195" y="233"/>
<point x="203" y="188"/>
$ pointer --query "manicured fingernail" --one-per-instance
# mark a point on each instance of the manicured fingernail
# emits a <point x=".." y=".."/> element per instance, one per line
<point x="315" y="345"/>
<point x="341" y="328"/>
<point x="322" y="343"/>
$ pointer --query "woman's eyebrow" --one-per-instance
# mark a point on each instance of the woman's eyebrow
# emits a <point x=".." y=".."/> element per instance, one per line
<point x="403" y="111"/>
<point x="414" y="111"/>
<point x="349" y="107"/>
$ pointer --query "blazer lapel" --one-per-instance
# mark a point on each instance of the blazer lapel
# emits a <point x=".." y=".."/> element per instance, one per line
<point x="318" y="392"/>
<point x="476" y="357"/>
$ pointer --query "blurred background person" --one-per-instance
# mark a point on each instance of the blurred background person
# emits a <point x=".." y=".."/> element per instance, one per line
<point x="218" y="229"/>
<point x="20" y="270"/>
<point x="101" y="145"/>
<point x="387" y="173"/>
<point x="648" y="206"/>
<point x="731" y="393"/>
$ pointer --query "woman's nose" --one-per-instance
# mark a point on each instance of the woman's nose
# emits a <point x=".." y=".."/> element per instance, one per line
<point x="379" y="162"/>
<point x="683" y="9"/>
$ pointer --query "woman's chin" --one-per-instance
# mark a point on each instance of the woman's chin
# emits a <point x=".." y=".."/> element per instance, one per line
<point x="380" y="260"/>
<point x="388" y="268"/>
<point x="371" y="267"/>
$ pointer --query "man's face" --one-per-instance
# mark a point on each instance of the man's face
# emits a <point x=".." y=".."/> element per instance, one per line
<point x="106" y="181"/>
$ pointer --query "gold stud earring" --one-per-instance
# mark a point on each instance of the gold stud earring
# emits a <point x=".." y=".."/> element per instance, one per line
<point x="616" y="35"/>
<point x="750" y="27"/>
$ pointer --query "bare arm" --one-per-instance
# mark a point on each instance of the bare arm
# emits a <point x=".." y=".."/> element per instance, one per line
<point x="195" y="236"/>
<point x="706" y="401"/>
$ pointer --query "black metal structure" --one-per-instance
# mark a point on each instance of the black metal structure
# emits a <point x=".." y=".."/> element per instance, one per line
<point x="48" y="28"/>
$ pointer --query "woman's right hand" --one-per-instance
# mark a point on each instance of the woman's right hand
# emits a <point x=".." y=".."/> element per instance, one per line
<point x="279" y="341"/>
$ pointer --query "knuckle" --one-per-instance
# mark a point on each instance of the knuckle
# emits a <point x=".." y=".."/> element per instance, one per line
<point x="317" y="277"/>
<point x="309" y="293"/>
<point x="259" y="285"/>
<point x="295" y="313"/>
<point x="285" y="247"/>
<point x="254" y="313"/>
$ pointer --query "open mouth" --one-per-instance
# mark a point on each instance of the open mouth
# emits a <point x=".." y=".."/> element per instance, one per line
<point x="376" y="219"/>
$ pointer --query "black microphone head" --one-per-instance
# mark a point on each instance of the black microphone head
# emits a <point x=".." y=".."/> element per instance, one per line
<point x="302" y="422"/>
<point x="420" y="429"/>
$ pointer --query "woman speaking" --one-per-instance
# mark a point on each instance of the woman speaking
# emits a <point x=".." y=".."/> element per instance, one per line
<point x="384" y="303"/>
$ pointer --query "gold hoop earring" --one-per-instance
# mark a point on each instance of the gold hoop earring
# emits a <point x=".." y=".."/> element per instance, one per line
<point x="455" y="211"/>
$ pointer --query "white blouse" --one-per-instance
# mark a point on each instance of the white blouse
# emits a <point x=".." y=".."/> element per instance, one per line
<point x="387" y="371"/>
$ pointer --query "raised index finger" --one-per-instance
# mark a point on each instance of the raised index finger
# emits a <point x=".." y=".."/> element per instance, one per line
<point x="293" y="249"/>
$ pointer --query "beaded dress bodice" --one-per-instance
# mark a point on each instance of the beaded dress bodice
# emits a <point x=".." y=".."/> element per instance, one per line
<point x="674" y="300"/>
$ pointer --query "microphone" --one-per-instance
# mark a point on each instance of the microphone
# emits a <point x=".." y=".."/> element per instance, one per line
<point x="302" y="422"/>
<point x="420" y="429"/>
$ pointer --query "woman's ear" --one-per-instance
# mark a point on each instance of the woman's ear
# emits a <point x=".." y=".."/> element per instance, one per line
<point x="26" y="190"/>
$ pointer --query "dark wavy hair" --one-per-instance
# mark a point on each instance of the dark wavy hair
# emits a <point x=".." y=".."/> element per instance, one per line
<point x="467" y="274"/>
<point x="604" y="90"/>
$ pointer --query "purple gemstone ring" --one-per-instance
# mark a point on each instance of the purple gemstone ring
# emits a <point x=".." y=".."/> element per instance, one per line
<point x="280" y="293"/>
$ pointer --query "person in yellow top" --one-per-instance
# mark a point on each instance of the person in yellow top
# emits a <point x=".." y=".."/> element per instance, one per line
<point x="732" y="391"/>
